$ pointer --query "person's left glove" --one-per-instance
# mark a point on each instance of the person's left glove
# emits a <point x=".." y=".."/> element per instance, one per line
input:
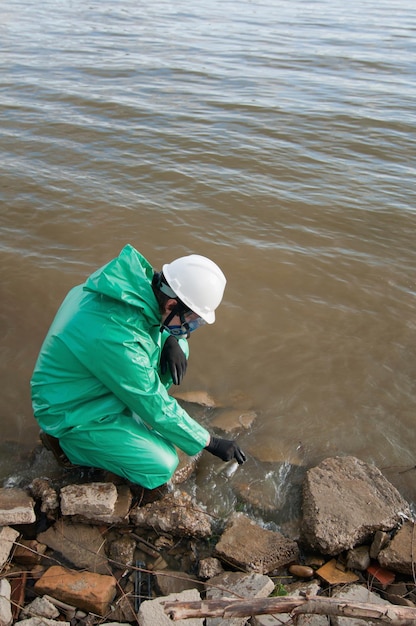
<point x="173" y="357"/>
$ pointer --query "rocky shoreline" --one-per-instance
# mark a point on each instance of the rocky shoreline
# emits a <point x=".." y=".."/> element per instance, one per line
<point x="89" y="553"/>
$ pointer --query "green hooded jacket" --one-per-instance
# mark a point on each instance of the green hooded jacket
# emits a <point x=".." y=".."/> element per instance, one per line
<point x="101" y="358"/>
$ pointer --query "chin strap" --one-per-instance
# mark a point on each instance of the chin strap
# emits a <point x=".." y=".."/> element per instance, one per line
<point x="177" y="310"/>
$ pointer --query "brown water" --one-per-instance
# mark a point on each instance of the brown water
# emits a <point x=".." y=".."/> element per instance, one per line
<point x="277" y="138"/>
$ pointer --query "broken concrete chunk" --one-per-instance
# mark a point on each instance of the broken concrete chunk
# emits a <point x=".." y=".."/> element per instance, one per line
<point x="121" y="551"/>
<point x="90" y="499"/>
<point x="399" y="554"/>
<point x="152" y="612"/>
<point x="209" y="567"/>
<point x="16" y="507"/>
<point x="7" y="538"/>
<point x="42" y="490"/>
<point x="295" y="591"/>
<point x="79" y="544"/>
<point x="176" y="513"/>
<point x="237" y="584"/>
<point x="120" y="514"/>
<point x="359" y="594"/>
<point x="40" y="607"/>
<point x="251" y="547"/>
<point x="6" y="617"/>
<point x="345" y="501"/>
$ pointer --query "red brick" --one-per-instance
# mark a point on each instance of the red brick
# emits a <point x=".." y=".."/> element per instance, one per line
<point x="84" y="590"/>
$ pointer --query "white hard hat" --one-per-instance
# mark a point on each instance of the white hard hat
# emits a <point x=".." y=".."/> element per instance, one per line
<point x="198" y="282"/>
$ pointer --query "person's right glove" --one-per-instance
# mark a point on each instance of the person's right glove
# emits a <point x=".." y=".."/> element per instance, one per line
<point x="226" y="450"/>
<point x="173" y="357"/>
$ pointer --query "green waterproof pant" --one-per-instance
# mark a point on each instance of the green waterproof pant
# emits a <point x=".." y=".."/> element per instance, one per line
<point x="124" y="445"/>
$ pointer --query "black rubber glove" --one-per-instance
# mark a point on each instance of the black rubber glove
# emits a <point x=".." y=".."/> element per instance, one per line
<point x="173" y="357"/>
<point x="226" y="450"/>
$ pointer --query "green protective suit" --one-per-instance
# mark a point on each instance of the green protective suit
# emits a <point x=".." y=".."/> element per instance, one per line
<point x="97" y="385"/>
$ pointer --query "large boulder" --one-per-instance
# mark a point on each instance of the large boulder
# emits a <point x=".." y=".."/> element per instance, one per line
<point x="345" y="501"/>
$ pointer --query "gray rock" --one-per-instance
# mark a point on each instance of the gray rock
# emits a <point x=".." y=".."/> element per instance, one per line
<point x="91" y="499"/>
<point x="79" y="544"/>
<point x="42" y="490"/>
<point x="209" y="567"/>
<point x="40" y="607"/>
<point x="236" y="584"/>
<point x="185" y="469"/>
<point x="250" y="547"/>
<point x="121" y="551"/>
<point x="176" y="514"/>
<point x="16" y="507"/>
<point x="359" y="558"/>
<point x="356" y="593"/>
<point x="397" y="556"/>
<point x="345" y="501"/>
<point x="311" y="589"/>
<point x="119" y="515"/>
<point x="5" y="607"/>
<point x="41" y="621"/>
<point x="152" y="613"/>
<point x="380" y="541"/>
<point x="169" y="582"/>
<point x="7" y="538"/>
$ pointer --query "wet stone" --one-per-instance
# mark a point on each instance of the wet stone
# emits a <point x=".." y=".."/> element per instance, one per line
<point x="176" y="514"/>
<point x="345" y="501"/>
<point x="185" y="469"/>
<point x="196" y="397"/>
<point x="250" y="547"/>
<point x="230" y="420"/>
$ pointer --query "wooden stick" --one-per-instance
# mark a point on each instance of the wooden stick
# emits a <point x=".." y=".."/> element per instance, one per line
<point x="230" y="607"/>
